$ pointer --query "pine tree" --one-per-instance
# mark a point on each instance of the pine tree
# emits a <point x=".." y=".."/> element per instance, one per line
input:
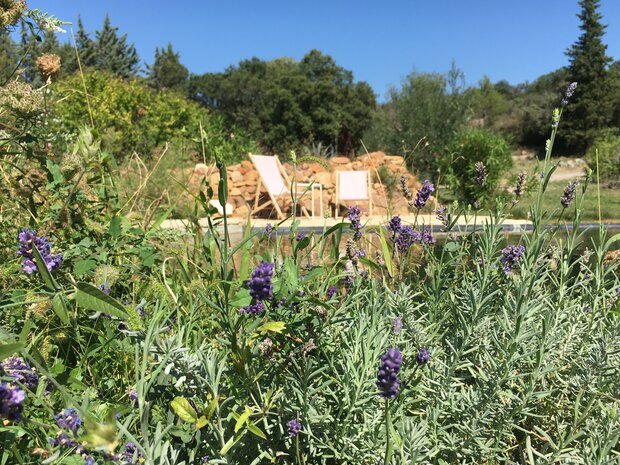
<point x="167" y="72"/>
<point x="29" y="50"/>
<point x="113" y="53"/>
<point x="8" y="56"/>
<point x="85" y="46"/>
<point x="590" y="108"/>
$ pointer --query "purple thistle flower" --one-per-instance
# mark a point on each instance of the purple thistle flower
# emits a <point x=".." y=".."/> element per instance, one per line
<point x="511" y="256"/>
<point x="253" y="309"/>
<point x="331" y="292"/>
<point x="294" y="427"/>
<point x="569" y="193"/>
<point x="68" y="419"/>
<point x="423" y="194"/>
<point x="20" y="370"/>
<point x="397" y="325"/>
<point x="423" y="356"/>
<point x="268" y="228"/>
<point x="27" y="239"/>
<point x="11" y="401"/>
<point x="387" y="377"/>
<point x="569" y="93"/>
<point x="356" y="222"/>
<point x="260" y="284"/>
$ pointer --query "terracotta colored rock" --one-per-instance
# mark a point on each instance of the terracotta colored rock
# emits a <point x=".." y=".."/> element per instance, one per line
<point x="200" y="169"/>
<point x="236" y="176"/>
<point x="339" y="160"/>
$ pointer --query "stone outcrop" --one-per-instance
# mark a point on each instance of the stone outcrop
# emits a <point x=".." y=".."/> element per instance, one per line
<point x="385" y="173"/>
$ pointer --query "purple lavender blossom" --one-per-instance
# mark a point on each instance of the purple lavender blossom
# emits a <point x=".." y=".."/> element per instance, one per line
<point x="300" y="236"/>
<point x="356" y="222"/>
<point x="387" y="377"/>
<point x="68" y="419"/>
<point x="132" y="455"/>
<point x="423" y="356"/>
<point x="27" y="238"/>
<point x="20" y="370"/>
<point x="106" y="290"/>
<point x="423" y="194"/>
<point x="294" y="427"/>
<point x="260" y="284"/>
<point x="11" y="402"/>
<point x="394" y="226"/>
<point x="331" y="292"/>
<point x="63" y="439"/>
<point x="481" y="173"/>
<point x="133" y="396"/>
<point x="569" y="93"/>
<point x="520" y="188"/>
<point x="253" y="309"/>
<point x="397" y="325"/>
<point x="442" y="215"/>
<point x="511" y="256"/>
<point x="268" y="228"/>
<point x="569" y="194"/>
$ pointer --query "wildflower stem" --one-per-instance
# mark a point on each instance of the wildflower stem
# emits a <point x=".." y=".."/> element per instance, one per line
<point x="388" y="443"/>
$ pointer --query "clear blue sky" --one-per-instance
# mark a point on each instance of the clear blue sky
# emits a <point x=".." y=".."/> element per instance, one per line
<point x="381" y="42"/>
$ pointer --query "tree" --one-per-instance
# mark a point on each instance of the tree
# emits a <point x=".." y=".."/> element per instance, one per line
<point x="286" y="104"/>
<point x="8" y="56"/>
<point x="167" y="72"/>
<point x="113" y="53"/>
<point x="85" y="46"/>
<point x="590" y="108"/>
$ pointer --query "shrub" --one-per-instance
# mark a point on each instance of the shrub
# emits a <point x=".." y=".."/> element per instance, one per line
<point x="471" y="146"/>
<point x="608" y="147"/>
<point x="133" y="117"/>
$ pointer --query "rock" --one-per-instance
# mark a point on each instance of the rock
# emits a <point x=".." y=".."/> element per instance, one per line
<point x="236" y="176"/>
<point x="200" y="169"/>
<point x="340" y="160"/>
<point x="325" y="178"/>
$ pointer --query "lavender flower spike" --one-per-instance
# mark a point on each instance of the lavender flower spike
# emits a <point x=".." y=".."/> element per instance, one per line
<point x="356" y="223"/>
<point x="569" y="93"/>
<point x="294" y="427"/>
<point x="387" y="377"/>
<point x="11" y="402"/>
<point x="423" y="194"/>
<point x="511" y="256"/>
<point x="27" y="239"/>
<point x="260" y="284"/>
<point x="569" y="193"/>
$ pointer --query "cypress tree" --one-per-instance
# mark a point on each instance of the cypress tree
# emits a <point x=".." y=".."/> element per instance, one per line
<point x="113" y="53"/>
<point x="84" y="45"/>
<point x="167" y="72"/>
<point x="590" y="108"/>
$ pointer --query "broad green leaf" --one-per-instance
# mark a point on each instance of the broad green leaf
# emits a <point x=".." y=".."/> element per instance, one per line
<point x="184" y="409"/>
<point x="256" y="430"/>
<point x="60" y="308"/>
<point x="231" y="442"/>
<point x="241" y="299"/>
<point x="43" y="271"/>
<point x="202" y="422"/>
<point x="211" y="408"/>
<point x="6" y="350"/>
<point x="83" y="266"/>
<point x="243" y="418"/>
<point x="115" y="227"/>
<point x="93" y="298"/>
<point x="273" y="326"/>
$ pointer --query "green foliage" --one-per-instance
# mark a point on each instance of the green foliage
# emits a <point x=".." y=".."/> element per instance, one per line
<point x="420" y="119"/>
<point x="8" y="56"/>
<point x="112" y="53"/>
<point x="590" y="109"/>
<point x="607" y="144"/>
<point x="469" y="147"/>
<point x="167" y="72"/>
<point x="487" y="102"/>
<point x="286" y="104"/>
<point x="133" y="116"/>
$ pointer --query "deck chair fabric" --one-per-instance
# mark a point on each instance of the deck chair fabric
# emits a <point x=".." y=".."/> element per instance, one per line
<point x="272" y="175"/>
<point x="353" y="186"/>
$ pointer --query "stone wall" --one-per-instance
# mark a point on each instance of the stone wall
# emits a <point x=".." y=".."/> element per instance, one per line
<point x="243" y="180"/>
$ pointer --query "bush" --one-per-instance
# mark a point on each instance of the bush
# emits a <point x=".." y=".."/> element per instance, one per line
<point x="608" y="147"/>
<point x="133" y="117"/>
<point x="469" y="147"/>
